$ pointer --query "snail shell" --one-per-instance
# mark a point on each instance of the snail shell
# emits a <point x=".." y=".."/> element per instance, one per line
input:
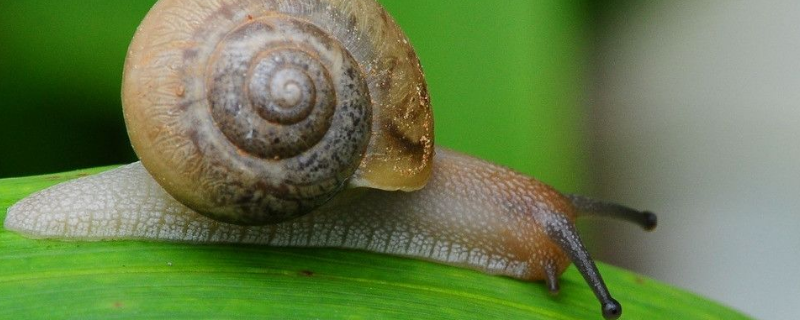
<point x="258" y="111"/>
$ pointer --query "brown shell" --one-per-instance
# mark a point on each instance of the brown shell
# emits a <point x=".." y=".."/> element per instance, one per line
<point x="172" y="104"/>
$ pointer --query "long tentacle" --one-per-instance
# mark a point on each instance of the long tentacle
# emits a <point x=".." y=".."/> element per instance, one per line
<point x="588" y="206"/>
<point x="563" y="233"/>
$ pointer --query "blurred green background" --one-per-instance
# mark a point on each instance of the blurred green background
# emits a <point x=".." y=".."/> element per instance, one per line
<point x="689" y="109"/>
<point x="506" y="81"/>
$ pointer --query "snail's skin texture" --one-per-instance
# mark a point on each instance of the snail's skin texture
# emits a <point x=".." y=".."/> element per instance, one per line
<point x="471" y="214"/>
<point x="258" y="111"/>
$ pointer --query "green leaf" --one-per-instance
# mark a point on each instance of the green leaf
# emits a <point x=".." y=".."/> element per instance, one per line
<point x="41" y="279"/>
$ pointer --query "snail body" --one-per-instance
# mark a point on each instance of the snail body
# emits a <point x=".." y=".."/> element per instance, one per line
<point x="461" y="217"/>
<point x="307" y="123"/>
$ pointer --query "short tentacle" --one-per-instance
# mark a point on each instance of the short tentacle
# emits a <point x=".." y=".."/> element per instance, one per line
<point x="587" y="206"/>
<point x="551" y="278"/>
<point x="563" y="233"/>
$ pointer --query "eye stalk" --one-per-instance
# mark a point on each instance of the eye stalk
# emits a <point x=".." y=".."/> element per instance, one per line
<point x="590" y="207"/>
<point x="564" y="234"/>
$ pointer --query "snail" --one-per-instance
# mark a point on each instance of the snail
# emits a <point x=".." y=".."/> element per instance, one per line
<point x="307" y="123"/>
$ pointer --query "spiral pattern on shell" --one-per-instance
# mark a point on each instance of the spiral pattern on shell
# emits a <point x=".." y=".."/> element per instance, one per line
<point x="282" y="89"/>
<point x="267" y="118"/>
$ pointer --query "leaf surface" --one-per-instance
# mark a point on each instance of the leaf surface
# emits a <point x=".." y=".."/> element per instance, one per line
<point x="45" y="279"/>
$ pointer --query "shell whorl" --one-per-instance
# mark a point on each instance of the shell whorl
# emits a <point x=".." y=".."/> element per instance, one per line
<point x="258" y="111"/>
<point x="279" y="88"/>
